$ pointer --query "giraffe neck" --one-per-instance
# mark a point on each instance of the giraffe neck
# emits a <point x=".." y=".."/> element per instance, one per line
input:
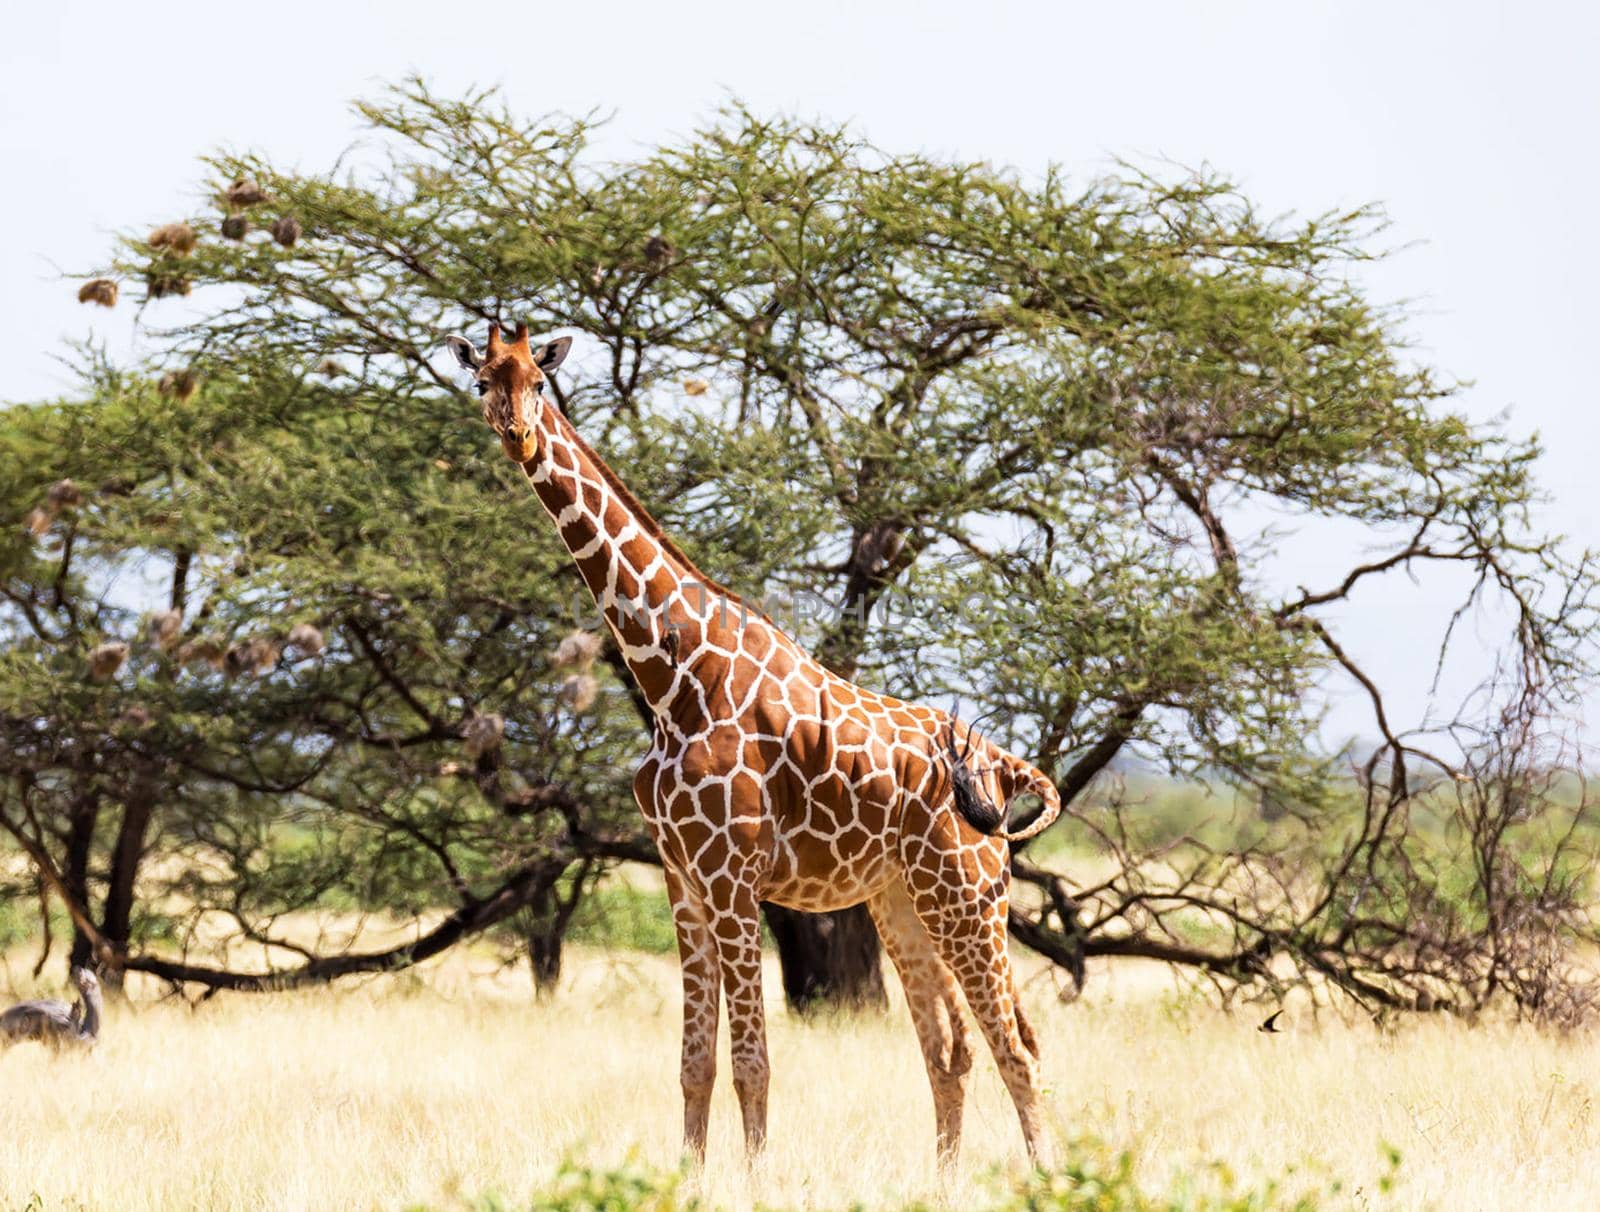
<point x="656" y="603"/>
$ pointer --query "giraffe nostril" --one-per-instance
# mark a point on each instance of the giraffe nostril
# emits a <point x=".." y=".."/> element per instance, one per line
<point x="518" y="442"/>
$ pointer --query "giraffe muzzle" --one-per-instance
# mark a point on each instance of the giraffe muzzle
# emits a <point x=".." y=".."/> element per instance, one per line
<point x="519" y="443"/>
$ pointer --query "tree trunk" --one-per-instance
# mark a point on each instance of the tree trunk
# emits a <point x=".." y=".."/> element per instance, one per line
<point x="546" y="921"/>
<point x="117" y="919"/>
<point x="75" y="869"/>
<point x="828" y="959"/>
<point x="544" y="956"/>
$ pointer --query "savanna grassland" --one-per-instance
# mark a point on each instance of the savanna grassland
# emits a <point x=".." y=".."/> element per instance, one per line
<point x="287" y="646"/>
<point x="453" y="1088"/>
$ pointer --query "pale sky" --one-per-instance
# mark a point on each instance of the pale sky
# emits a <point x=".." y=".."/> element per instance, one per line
<point x="1474" y="124"/>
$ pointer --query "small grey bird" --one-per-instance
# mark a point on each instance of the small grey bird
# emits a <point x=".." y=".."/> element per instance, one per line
<point x="56" y="1023"/>
<point x="1271" y="1025"/>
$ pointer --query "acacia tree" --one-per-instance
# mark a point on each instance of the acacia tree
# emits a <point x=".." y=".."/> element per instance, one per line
<point x="1033" y="416"/>
<point x="251" y="634"/>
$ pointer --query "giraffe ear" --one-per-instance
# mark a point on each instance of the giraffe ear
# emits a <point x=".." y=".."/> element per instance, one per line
<point x="552" y="353"/>
<point x="466" y="353"/>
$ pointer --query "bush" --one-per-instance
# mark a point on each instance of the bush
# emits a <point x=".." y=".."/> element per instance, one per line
<point x="1092" y="1178"/>
<point x="617" y="915"/>
<point x="626" y="1189"/>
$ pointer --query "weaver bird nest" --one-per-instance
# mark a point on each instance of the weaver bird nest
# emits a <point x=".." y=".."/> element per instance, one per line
<point x="243" y="193"/>
<point x="98" y="290"/>
<point x="577" y="650"/>
<point x="579" y="691"/>
<point x="162" y="282"/>
<point x="63" y="494"/>
<point x="207" y="649"/>
<point x="105" y="659"/>
<point x="258" y="656"/>
<point x="180" y="385"/>
<point x="483" y="734"/>
<point x="306" y="639"/>
<point x="177" y="238"/>
<point x="162" y="628"/>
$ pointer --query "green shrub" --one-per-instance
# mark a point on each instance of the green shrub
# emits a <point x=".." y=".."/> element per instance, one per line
<point x="1092" y="1178"/>
<point x="629" y="1188"/>
<point x="618" y="915"/>
<point x="15" y="924"/>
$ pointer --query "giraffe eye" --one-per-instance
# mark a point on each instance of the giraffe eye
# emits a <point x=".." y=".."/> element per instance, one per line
<point x="483" y="388"/>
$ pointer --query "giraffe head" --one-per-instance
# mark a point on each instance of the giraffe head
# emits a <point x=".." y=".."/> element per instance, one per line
<point x="510" y="376"/>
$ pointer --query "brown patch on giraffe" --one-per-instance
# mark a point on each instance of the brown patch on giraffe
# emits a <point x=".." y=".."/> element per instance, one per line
<point x="877" y="803"/>
<point x="660" y="588"/>
<point x="573" y="532"/>
<point x="759" y="753"/>
<point x="721" y="703"/>
<point x="629" y="586"/>
<point x="693" y="835"/>
<point x="758" y="644"/>
<point x="638" y="551"/>
<point x="856" y="839"/>
<point x="851" y="732"/>
<point x="742" y="676"/>
<point x="724" y="743"/>
<point x="802" y="698"/>
<point x="615" y="518"/>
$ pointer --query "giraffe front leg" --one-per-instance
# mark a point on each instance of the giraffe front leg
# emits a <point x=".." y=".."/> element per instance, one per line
<point x="697" y="954"/>
<point x="737" y="928"/>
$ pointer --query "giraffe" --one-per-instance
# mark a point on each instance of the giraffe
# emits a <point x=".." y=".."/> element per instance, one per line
<point x="769" y="777"/>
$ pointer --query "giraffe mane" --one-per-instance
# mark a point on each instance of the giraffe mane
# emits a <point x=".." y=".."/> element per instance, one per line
<point x="647" y="521"/>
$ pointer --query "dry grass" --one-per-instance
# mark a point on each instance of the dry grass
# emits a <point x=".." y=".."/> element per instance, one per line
<point x="455" y="1084"/>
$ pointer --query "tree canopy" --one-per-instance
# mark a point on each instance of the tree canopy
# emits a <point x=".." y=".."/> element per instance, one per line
<point x="1014" y="430"/>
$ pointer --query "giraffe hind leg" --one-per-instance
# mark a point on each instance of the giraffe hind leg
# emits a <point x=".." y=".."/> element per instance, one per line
<point x="970" y="934"/>
<point x="934" y="1001"/>
<point x="1030" y="1040"/>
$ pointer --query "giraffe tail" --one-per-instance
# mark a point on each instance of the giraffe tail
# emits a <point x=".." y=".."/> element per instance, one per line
<point x="981" y="812"/>
<point x="1030" y="780"/>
